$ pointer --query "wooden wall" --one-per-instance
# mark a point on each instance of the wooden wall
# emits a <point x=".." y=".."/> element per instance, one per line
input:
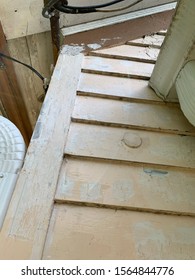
<point x="35" y="50"/>
<point x="28" y="40"/>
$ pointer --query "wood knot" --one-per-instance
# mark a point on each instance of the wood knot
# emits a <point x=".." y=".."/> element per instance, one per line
<point x="132" y="140"/>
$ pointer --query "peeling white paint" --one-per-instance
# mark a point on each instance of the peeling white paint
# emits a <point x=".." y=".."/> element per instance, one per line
<point x="104" y="40"/>
<point x="147" y="236"/>
<point x="72" y="49"/>
<point x="94" y="46"/>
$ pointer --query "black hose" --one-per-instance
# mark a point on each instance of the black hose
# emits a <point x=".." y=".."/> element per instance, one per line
<point x="62" y="6"/>
<point x="28" y="66"/>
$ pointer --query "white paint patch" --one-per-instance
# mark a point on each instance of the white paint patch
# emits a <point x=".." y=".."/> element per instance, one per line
<point x="123" y="190"/>
<point x="90" y="191"/>
<point x="147" y="237"/>
<point x="67" y="187"/>
<point x="72" y="49"/>
<point x="94" y="46"/>
<point x="104" y="40"/>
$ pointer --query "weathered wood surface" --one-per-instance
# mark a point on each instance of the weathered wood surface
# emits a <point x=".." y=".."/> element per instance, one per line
<point x="37" y="182"/>
<point x="117" y="67"/>
<point x="36" y="51"/>
<point x="154" y="41"/>
<point x="120" y="186"/>
<point x="89" y="171"/>
<point x="100" y="174"/>
<point x="127" y="52"/>
<point x="108" y="143"/>
<point x="89" y="233"/>
<point x="133" y="26"/>
<point x="2" y="110"/>
<point x="131" y="114"/>
<point x="116" y="88"/>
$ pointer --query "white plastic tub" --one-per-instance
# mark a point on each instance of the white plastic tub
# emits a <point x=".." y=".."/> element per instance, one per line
<point x="12" y="152"/>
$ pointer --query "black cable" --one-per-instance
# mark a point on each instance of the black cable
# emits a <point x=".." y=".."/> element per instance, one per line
<point x="83" y="9"/>
<point x="28" y="66"/>
<point x="62" y="6"/>
<point x="94" y="6"/>
<point x="44" y="80"/>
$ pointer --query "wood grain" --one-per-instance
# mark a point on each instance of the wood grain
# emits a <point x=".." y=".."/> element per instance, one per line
<point x="127" y="52"/>
<point x="108" y="234"/>
<point x="120" y="186"/>
<point x="117" y="67"/>
<point x="117" y="88"/>
<point x="36" y="51"/>
<point x="154" y="41"/>
<point x="37" y="182"/>
<point x="108" y="143"/>
<point x="132" y="114"/>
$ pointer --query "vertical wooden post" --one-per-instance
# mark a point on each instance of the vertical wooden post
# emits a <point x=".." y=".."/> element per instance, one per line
<point x="10" y="94"/>
<point x="55" y="33"/>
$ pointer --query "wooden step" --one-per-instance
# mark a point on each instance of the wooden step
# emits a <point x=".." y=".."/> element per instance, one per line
<point x="109" y="143"/>
<point x="127" y="52"/>
<point x="117" y="67"/>
<point x="131" y="114"/>
<point x="120" y="186"/>
<point x="116" y="88"/>
<point x="87" y="233"/>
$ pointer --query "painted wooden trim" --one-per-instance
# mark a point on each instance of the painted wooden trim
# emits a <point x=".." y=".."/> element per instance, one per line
<point x="115" y="20"/>
<point x="119" y="33"/>
<point x="37" y="181"/>
<point x="176" y="48"/>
